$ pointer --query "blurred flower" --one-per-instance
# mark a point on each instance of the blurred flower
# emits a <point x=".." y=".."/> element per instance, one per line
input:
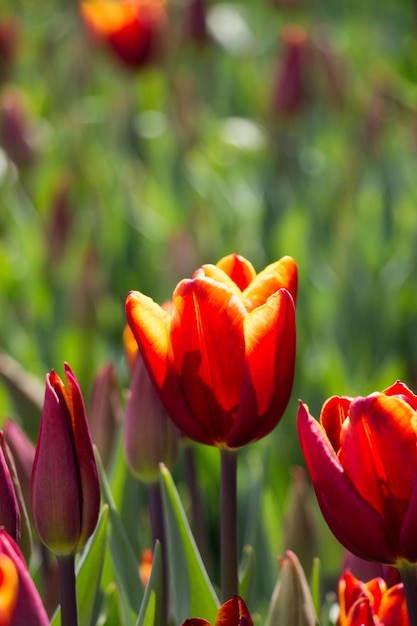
<point x="290" y="92"/>
<point x="105" y="410"/>
<point x="366" y="570"/>
<point x="223" y="360"/>
<point x="371" y="603"/>
<point x="145" y="566"/>
<point x="9" y="507"/>
<point x="9" y="585"/>
<point x="195" y="23"/>
<point x="16" y="132"/>
<point x="131" y="29"/>
<point x="362" y="460"/>
<point x="65" y="489"/>
<point x="28" y="608"/>
<point x="9" y="36"/>
<point x="234" y="612"/>
<point x="291" y="601"/>
<point x="60" y="222"/>
<point x="150" y="436"/>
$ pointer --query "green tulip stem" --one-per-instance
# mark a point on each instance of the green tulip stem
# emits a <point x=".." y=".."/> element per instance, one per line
<point x="158" y="534"/>
<point x="197" y="506"/>
<point x="409" y="578"/>
<point x="228" y="539"/>
<point x="67" y="590"/>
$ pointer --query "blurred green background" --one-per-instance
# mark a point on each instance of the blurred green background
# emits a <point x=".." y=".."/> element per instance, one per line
<point x="131" y="180"/>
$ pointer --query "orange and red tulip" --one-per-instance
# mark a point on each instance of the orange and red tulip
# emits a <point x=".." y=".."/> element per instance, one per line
<point x="371" y="603"/>
<point x="234" y="612"/>
<point x="130" y="28"/>
<point x="223" y="359"/>
<point x="362" y="459"/>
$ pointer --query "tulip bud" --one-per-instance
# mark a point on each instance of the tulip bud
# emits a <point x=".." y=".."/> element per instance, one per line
<point x="150" y="436"/>
<point x="291" y="601"/>
<point x="25" y="605"/>
<point x="290" y="94"/>
<point x="25" y="538"/>
<point x="195" y="23"/>
<point x="9" y="507"/>
<point x="16" y="133"/>
<point x="23" y="452"/>
<point x="65" y="489"/>
<point x="299" y="524"/>
<point x="105" y="410"/>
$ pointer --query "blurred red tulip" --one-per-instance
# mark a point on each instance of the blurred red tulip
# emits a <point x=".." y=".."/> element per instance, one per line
<point x="131" y="29"/>
<point x="223" y="360"/>
<point x="362" y="460"/>
<point x="195" y="23"/>
<point x="290" y="92"/>
<point x="9" y="36"/>
<point x="234" y="612"/>
<point x="16" y="132"/>
<point x="65" y="489"/>
<point x="371" y="603"/>
<point x="20" y="602"/>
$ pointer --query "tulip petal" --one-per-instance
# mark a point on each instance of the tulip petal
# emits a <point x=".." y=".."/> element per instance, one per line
<point x="400" y="389"/>
<point x="218" y="275"/>
<point x="240" y="270"/>
<point x="89" y="480"/>
<point x="209" y="349"/>
<point x="150" y="324"/>
<point x="354" y="523"/>
<point x="234" y="612"/>
<point x="270" y="339"/>
<point x="281" y="274"/>
<point x="376" y="469"/>
<point x="333" y="415"/>
<point x="196" y="621"/>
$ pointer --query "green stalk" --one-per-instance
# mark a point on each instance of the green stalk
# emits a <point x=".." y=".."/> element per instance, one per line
<point x="67" y="590"/>
<point x="158" y="533"/>
<point x="409" y="578"/>
<point x="228" y="538"/>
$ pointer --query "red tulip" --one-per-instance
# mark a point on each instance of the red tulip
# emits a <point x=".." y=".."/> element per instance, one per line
<point x="371" y="603"/>
<point x="223" y="359"/>
<point x="234" y="612"/>
<point x="362" y="459"/>
<point x="19" y="599"/>
<point x="130" y="28"/>
<point x="65" y="490"/>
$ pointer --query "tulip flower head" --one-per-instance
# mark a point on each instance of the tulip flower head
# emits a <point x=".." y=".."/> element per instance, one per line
<point x="20" y="602"/>
<point x="130" y="28"/>
<point x="362" y="459"/>
<point x="65" y="490"/>
<point x="371" y="603"/>
<point x="234" y="612"/>
<point x="223" y="359"/>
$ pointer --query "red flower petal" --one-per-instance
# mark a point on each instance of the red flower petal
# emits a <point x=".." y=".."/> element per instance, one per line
<point x="269" y="368"/>
<point x="240" y="270"/>
<point x="378" y="470"/>
<point x="333" y="414"/>
<point x="354" y="523"/>
<point x="281" y="274"/>
<point x="150" y="324"/>
<point x="208" y="346"/>
<point x="234" y="612"/>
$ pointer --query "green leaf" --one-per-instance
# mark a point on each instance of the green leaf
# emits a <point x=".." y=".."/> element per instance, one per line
<point x="123" y="557"/>
<point x="315" y="585"/>
<point x="246" y="571"/>
<point x="193" y="593"/>
<point x="149" y="614"/>
<point x="88" y="572"/>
